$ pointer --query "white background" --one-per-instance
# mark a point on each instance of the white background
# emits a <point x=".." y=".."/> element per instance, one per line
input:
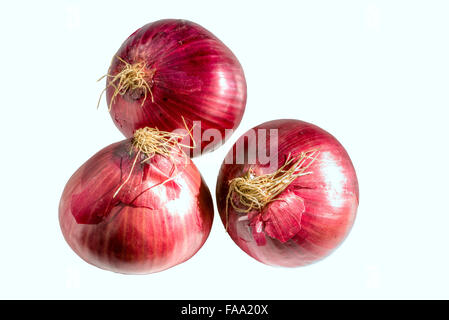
<point x="373" y="73"/>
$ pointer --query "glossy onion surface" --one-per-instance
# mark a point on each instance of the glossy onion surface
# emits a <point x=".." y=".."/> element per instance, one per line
<point x="312" y="216"/>
<point x="150" y="225"/>
<point x="191" y="73"/>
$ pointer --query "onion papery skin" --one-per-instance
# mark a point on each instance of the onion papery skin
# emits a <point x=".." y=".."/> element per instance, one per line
<point x="192" y="74"/>
<point x="325" y="201"/>
<point x="150" y="225"/>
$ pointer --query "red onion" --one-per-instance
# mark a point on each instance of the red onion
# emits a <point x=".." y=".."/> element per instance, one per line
<point x="297" y="212"/>
<point x="136" y="212"/>
<point x="171" y="69"/>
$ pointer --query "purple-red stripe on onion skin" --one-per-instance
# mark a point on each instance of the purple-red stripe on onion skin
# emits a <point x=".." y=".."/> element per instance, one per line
<point x="191" y="75"/>
<point x="159" y="218"/>
<point x="312" y="216"/>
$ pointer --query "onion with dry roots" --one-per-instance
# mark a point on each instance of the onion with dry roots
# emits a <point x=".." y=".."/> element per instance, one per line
<point x="138" y="206"/>
<point x="173" y="69"/>
<point x="300" y="211"/>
